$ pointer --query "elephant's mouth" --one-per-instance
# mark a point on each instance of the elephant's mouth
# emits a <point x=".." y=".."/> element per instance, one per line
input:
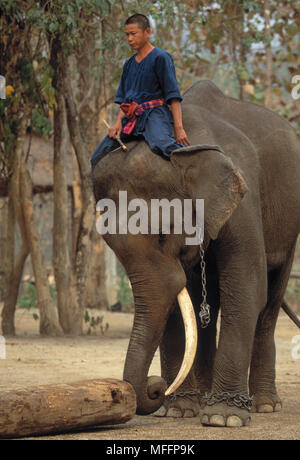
<point x="191" y="337"/>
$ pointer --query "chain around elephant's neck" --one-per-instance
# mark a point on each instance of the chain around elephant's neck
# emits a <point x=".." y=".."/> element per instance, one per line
<point x="204" y="307"/>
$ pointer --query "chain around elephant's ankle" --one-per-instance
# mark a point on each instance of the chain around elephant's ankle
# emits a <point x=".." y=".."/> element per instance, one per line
<point x="231" y="399"/>
<point x="182" y="394"/>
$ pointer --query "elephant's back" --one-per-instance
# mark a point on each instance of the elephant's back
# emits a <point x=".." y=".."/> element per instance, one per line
<point x="263" y="145"/>
<point x="274" y="140"/>
<point x="255" y="121"/>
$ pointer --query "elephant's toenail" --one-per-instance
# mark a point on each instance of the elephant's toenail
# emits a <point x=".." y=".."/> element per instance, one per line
<point x="189" y="413"/>
<point x="234" y="421"/>
<point x="217" y="420"/>
<point x="174" y="412"/>
<point x="161" y="412"/>
<point x="205" y="420"/>
<point x="265" y="409"/>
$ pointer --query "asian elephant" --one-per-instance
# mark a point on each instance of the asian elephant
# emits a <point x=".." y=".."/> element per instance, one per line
<point x="245" y="164"/>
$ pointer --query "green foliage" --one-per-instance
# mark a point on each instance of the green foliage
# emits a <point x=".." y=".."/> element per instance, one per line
<point x="28" y="299"/>
<point x="11" y="8"/>
<point x="293" y="292"/>
<point x="95" y="323"/>
<point x="230" y="32"/>
<point x="41" y="124"/>
<point x="53" y="293"/>
<point x="125" y="296"/>
<point x="62" y="19"/>
<point x="25" y="64"/>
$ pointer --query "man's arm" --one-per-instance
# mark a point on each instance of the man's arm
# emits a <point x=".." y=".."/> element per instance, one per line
<point x="179" y="132"/>
<point x="115" y="130"/>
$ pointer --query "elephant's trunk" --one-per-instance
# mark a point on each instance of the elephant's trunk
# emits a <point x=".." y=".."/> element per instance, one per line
<point x="145" y="338"/>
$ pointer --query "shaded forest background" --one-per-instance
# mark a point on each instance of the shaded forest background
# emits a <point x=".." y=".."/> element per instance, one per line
<point x="62" y="62"/>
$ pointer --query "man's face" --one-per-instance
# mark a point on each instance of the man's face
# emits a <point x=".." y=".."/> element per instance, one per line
<point x="136" y="37"/>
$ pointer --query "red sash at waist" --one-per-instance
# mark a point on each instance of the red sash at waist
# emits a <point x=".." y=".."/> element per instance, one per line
<point x="134" y="109"/>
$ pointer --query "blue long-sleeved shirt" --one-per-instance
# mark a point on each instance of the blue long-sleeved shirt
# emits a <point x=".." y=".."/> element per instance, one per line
<point x="152" y="78"/>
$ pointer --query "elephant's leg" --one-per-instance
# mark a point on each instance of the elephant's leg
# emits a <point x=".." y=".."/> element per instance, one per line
<point x="185" y="401"/>
<point x="262" y="371"/>
<point x="243" y="294"/>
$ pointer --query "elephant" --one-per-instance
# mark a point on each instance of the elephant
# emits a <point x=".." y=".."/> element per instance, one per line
<point x="244" y="162"/>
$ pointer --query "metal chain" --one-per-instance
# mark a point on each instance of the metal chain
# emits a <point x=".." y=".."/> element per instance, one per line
<point x="204" y="307"/>
<point x="231" y="399"/>
<point x="174" y="396"/>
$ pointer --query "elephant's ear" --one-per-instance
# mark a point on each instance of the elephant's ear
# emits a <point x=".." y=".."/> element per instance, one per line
<point x="209" y="174"/>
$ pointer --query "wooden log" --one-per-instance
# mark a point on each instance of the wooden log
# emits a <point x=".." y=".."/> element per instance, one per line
<point x="65" y="407"/>
<point x="295" y="275"/>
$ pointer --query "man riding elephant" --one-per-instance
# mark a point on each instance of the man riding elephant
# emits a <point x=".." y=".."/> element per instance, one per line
<point x="147" y="89"/>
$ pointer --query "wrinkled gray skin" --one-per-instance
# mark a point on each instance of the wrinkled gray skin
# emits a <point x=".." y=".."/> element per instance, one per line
<point x="252" y="220"/>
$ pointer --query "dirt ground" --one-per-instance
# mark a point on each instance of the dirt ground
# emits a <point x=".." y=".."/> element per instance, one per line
<point x="32" y="360"/>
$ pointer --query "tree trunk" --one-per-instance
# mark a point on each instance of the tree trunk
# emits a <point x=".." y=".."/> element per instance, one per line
<point x="61" y="257"/>
<point x="95" y="94"/>
<point x="9" y="308"/>
<point x="269" y="71"/>
<point x="234" y="11"/>
<point x="65" y="407"/>
<point x="14" y="270"/>
<point x="76" y="207"/>
<point x="96" y="287"/>
<point x="13" y="285"/>
<point x="83" y="250"/>
<point x="48" y="313"/>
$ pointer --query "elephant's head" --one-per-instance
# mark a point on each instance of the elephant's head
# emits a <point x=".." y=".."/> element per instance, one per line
<point x="156" y="263"/>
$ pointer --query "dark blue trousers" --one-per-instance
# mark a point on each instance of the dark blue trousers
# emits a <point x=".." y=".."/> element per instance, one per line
<point x="157" y="131"/>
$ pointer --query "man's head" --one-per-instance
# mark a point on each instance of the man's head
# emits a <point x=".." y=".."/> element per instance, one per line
<point x="137" y="29"/>
<point x="140" y="20"/>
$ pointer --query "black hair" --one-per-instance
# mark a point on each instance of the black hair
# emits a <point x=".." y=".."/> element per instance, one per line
<point x="140" y="20"/>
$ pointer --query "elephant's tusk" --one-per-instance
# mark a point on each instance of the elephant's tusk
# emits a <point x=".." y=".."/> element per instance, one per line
<point x="191" y="337"/>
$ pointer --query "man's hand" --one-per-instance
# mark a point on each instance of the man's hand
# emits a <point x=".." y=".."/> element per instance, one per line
<point x="180" y="136"/>
<point x="115" y="130"/>
<point x="179" y="132"/>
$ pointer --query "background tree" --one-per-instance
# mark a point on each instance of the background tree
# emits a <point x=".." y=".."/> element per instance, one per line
<point x="16" y="113"/>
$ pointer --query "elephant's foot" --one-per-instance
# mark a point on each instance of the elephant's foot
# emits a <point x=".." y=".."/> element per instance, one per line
<point x="226" y="410"/>
<point x="180" y="405"/>
<point x="266" y="403"/>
